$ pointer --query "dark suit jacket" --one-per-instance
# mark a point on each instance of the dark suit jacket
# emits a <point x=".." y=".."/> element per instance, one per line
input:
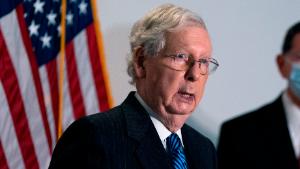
<point x="125" y="137"/>
<point x="257" y="140"/>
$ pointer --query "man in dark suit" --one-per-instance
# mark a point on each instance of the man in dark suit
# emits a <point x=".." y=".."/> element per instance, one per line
<point x="170" y="63"/>
<point x="268" y="138"/>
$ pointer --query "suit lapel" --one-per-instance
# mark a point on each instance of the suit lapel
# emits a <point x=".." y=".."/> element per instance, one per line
<point x="280" y="142"/>
<point x="152" y="154"/>
<point x="149" y="150"/>
<point x="192" y="149"/>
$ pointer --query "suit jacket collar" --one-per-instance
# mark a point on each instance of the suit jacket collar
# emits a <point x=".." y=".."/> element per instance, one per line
<point x="278" y="132"/>
<point x="192" y="149"/>
<point x="137" y="119"/>
<point x="149" y="149"/>
<point x="199" y="150"/>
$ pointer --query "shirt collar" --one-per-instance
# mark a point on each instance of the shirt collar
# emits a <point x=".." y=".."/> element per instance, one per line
<point x="292" y="111"/>
<point x="162" y="131"/>
<point x="293" y="121"/>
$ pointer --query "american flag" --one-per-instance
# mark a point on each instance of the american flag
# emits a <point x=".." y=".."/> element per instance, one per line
<point x="30" y="75"/>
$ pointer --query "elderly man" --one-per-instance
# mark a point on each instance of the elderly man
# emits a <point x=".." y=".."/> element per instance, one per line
<point x="170" y="63"/>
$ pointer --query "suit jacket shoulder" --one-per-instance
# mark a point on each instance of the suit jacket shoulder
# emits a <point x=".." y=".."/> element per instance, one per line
<point x="81" y="144"/>
<point x="257" y="140"/>
<point x="123" y="137"/>
<point x="260" y="116"/>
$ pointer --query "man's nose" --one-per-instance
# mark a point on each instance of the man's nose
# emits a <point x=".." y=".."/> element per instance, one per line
<point x="193" y="73"/>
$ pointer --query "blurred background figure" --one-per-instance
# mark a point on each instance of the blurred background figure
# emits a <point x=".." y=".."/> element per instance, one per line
<point x="269" y="137"/>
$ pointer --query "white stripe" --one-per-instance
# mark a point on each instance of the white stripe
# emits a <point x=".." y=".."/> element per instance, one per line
<point x="8" y="135"/>
<point x="48" y="102"/>
<point x="68" y="114"/>
<point x="86" y="78"/>
<point x="13" y="38"/>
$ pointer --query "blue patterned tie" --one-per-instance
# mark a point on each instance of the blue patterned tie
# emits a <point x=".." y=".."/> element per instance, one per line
<point x="176" y="153"/>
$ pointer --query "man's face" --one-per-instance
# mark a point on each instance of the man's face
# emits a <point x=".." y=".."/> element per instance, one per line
<point x="176" y="92"/>
<point x="285" y="61"/>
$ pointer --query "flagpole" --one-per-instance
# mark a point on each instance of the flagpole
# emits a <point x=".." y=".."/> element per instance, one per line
<point x="61" y="66"/>
<point x="101" y="53"/>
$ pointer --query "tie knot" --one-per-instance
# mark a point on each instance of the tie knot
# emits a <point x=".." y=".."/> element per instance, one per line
<point x="173" y="142"/>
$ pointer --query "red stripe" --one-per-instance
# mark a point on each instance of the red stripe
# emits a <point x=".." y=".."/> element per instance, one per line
<point x="35" y="75"/>
<point x="16" y="106"/>
<point x="3" y="161"/>
<point x="97" y="68"/>
<point x="53" y="87"/>
<point x="74" y="84"/>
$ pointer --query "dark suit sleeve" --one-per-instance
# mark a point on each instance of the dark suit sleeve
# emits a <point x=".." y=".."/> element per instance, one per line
<point x="74" y="148"/>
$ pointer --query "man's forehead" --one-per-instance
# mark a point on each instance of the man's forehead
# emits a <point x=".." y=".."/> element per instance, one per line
<point x="187" y="38"/>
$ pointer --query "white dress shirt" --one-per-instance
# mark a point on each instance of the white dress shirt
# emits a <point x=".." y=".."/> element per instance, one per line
<point x="293" y="120"/>
<point x="162" y="131"/>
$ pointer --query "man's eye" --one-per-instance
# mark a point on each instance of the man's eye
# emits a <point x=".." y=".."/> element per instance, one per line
<point x="297" y="58"/>
<point x="181" y="56"/>
<point x="203" y="61"/>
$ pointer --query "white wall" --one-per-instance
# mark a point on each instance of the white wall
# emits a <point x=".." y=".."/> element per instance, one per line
<point x="246" y="35"/>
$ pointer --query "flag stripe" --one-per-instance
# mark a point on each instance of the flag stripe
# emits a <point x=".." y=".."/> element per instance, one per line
<point x="24" y="76"/>
<point x="16" y="106"/>
<point x="34" y="72"/>
<point x="85" y="74"/>
<point x="8" y="138"/>
<point x="3" y="160"/>
<point x="52" y="72"/>
<point x="97" y="68"/>
<point x="68" y="116"/>
<point x="47" y="99"/>
<point x="74" y="85"/>
<point x="101" y="55"/>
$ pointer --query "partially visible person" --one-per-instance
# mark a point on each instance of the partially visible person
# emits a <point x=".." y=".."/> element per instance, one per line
<point x="171" y="60"/>
<point x="269" y="137"/>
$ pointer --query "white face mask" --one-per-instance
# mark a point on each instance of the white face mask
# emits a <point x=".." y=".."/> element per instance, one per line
<point x="294" y="79"/>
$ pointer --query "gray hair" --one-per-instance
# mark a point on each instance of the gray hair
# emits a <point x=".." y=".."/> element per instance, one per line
<point x="149" y="32"/>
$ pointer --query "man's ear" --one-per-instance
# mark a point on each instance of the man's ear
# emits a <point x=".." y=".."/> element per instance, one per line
<point x="282" y="66"/>
<point x="138" y="62"/>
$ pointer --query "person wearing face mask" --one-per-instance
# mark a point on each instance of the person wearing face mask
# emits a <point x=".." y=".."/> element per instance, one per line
<point x="269" y="137"/>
